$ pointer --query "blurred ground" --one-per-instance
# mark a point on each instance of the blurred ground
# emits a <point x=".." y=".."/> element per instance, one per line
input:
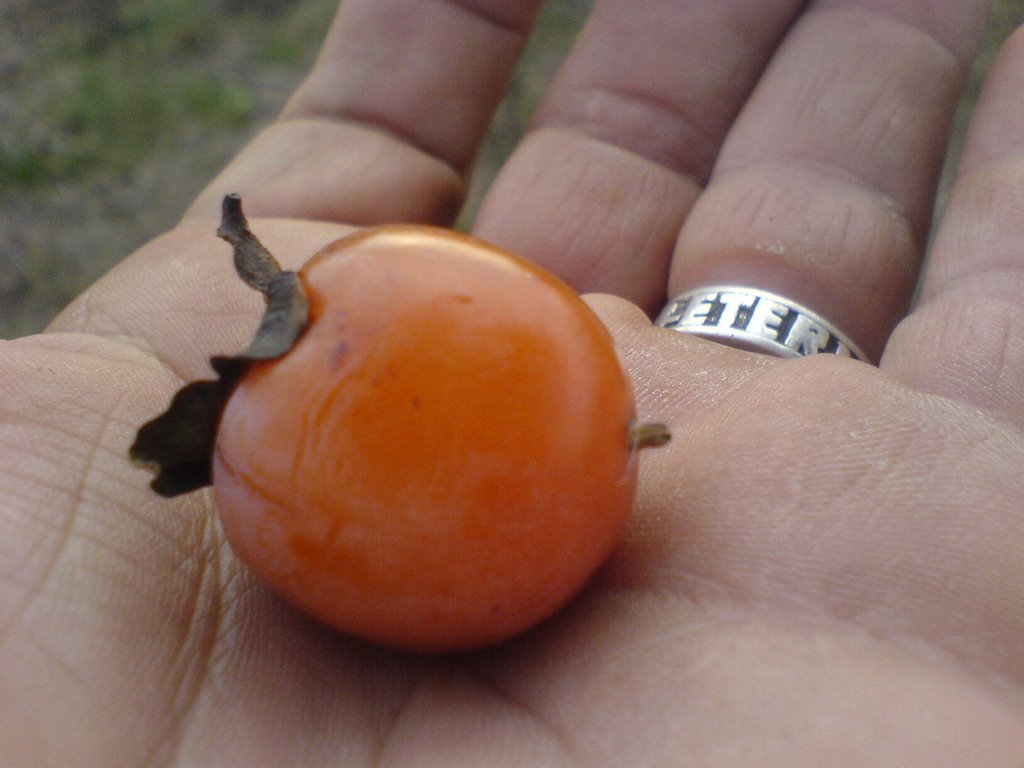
<point x="115" y="113"/>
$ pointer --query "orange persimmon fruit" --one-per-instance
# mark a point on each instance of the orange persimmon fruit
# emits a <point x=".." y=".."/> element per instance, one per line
<point x="430" y="442"/>
<point x="443" y="459"/>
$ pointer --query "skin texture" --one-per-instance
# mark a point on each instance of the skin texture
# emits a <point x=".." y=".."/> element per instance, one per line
<point x="443" y="459"/>
<point x="826" y="566"/>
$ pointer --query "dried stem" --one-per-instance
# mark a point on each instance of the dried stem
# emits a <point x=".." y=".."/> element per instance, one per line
<point x="643" y="434"/>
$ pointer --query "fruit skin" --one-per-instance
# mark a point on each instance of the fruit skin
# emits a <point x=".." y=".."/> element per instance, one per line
<point x="442" y="461"/>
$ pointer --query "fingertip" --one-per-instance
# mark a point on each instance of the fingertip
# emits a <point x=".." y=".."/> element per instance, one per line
<point x="636" y="337"/>
<point x="617" y="311"/>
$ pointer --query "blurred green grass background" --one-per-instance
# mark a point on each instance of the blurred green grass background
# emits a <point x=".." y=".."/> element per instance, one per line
<point x="115" y="113"/>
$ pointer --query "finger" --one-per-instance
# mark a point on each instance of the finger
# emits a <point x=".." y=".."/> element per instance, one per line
<point x="387" y="123"/>
<point x="823" y="191"/>
<point x="965" y="339"/>
<point x="626" y="137"/>
<point x="673" y="373"/>
<point x="774" y="488"/>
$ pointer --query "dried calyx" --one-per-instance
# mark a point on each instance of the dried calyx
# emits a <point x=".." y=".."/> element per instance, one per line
<point x="179" y="443"/>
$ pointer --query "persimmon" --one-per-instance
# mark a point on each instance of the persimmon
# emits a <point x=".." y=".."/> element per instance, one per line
<point x="443" y="457"/>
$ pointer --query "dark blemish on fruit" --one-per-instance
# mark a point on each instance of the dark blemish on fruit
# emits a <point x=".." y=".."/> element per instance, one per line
<point x="339" y="352"/>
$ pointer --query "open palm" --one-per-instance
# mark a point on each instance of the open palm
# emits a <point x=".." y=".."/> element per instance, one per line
<point x="825" y="567"/>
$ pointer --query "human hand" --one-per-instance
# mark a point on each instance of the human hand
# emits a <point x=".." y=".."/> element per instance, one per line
<point x="826" y="566"/>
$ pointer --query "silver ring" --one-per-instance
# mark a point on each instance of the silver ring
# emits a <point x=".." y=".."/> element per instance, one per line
<point x="755" y="320"/>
